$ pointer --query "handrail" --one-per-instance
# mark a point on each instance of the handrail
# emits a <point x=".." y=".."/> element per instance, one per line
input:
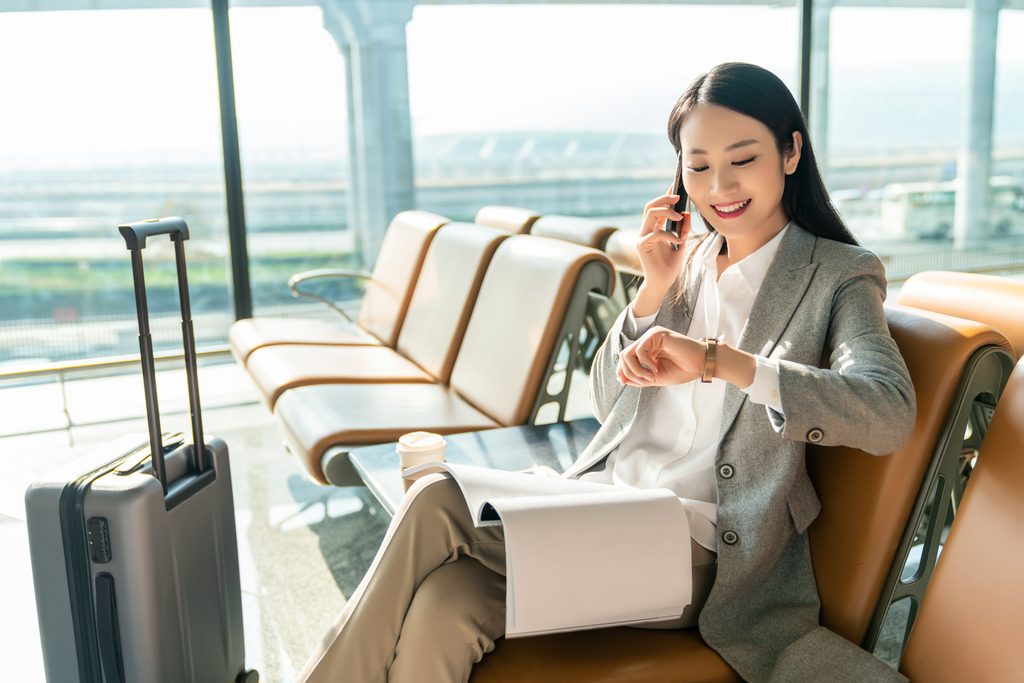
<point x="106" y="363"/>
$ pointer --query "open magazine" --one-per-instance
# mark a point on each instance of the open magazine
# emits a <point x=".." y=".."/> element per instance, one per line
<point x="580" y="555"/>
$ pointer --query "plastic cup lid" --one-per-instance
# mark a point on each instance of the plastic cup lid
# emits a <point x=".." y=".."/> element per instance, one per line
<point x="420" y="442"/>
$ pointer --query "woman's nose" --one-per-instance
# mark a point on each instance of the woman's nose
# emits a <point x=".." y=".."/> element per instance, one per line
<point x="723" y="183"/>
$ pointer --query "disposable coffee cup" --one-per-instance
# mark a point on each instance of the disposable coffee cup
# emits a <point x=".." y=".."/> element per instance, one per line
<point x="417" y="448"/>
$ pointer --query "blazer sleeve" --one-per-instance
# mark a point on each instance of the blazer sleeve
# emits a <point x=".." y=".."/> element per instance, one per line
<point x="865" y="399"/>
<point x="605" y="388"/>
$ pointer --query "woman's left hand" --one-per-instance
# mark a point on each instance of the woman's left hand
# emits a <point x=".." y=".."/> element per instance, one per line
<point x="661" y="357"/>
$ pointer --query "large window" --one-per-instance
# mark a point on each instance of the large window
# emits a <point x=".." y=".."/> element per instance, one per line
<point x="897" y="147"/>
<point x="564" y="109"/>
<point x="118" y="124"/>
<point x="293" y="134"/>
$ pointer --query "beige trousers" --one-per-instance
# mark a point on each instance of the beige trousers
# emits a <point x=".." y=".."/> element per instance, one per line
<point x="433" y="601"/>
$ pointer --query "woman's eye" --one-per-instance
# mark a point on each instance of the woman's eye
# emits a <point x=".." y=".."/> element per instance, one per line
<point x="744" y="162"/>
<point x="698" y="170"/>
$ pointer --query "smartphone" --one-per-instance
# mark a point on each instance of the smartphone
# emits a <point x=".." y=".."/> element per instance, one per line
<point x="680" y="206"/>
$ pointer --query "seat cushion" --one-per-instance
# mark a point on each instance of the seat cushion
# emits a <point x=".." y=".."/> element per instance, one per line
<point x="609" y="655"/>
<point x="314" y="418"/>
<point x="276" y="369"/>
<point x="245" y="336"/>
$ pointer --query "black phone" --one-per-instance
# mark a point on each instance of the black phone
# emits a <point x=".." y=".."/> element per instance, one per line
<point x="680" y="206"/>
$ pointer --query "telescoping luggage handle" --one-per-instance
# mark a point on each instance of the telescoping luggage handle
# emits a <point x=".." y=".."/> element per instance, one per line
<point x="135" y="235"/>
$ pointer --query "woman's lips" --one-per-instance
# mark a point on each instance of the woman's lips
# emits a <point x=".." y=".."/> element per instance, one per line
<point x="732" y="214"/>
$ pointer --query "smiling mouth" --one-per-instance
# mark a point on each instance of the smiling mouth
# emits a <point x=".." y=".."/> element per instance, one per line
<point x="731" y="210"/>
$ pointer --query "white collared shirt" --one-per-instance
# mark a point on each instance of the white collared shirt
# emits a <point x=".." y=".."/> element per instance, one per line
<point x="674" y="444"/>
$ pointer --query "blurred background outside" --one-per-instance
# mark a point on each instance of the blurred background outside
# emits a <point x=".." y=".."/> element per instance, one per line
<point x="110" y="116"/>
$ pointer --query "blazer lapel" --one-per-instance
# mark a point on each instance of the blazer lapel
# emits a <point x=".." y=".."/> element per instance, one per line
<point x="783" y="287"/>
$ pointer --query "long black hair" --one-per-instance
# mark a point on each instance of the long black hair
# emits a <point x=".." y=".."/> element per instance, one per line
<point x="758" y="93"/>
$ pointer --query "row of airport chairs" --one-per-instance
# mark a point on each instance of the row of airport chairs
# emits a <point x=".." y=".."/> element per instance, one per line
<point x="461" y="328"/>
<point x="879" y="515"/>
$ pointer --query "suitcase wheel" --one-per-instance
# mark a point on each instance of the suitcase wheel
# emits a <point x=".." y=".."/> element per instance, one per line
<point x="250" y="676"/>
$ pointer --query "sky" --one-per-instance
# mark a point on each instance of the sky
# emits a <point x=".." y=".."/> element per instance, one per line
<point x="123" y="85"/>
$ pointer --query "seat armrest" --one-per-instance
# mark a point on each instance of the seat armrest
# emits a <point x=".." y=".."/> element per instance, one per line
<point x="295" y="280"/>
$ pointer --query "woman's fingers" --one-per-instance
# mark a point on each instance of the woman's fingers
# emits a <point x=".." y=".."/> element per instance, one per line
<point x="657" y="211"/>
<point x="632" y="367"/>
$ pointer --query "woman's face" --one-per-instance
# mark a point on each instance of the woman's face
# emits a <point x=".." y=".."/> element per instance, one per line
<point x="735" y="175"/>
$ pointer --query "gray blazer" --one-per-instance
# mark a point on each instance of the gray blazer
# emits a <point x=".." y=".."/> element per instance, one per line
<point x="820" y="305"/>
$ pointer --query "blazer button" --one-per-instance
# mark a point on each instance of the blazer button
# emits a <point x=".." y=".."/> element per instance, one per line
<point x="730" y="537"/>
<point x="725" y="471"/>
<point x="815" y="435"/>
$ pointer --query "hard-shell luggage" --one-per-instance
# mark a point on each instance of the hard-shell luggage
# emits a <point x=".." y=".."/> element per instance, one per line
<point x="134" y="555"/>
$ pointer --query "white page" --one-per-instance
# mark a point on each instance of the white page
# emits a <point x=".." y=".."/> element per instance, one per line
<point x="594" y="559"/>
<point x="482" y="485"/>
<point x="578" y="554"/>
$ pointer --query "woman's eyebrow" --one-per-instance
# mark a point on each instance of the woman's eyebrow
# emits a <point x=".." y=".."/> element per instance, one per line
<point x="735" y="145"/>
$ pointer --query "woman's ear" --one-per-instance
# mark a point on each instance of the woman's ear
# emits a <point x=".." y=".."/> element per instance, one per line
<point x="793" y="160"/>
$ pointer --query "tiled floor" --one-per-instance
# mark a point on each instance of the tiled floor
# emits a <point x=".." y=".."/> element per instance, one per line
<point x="302" y="547"/>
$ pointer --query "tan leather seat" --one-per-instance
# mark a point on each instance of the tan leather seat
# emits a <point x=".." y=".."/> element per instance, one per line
<point x="385" y="299"/>
<point x="586" y="231"/>
<point x="993" y="300"/>
<point x="621" y="249"/>
<point x="971" y="620"/>
<point x="435" y="323"/>
<point x="501" y="370"/>
<point x="509" y="218"/>
<point x="866" y="501"/>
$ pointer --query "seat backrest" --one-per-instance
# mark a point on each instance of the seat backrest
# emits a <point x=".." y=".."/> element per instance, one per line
<point x="866" y="499"/>
<point x="517" y="321"/>
<point x="509" y="218"/>
<point x="621" y="249"/>
<point x="585" y="231"/>
<point x="386" y="296"/>
<point x="445" y="294"/>
<point x="971" y="620"/>
<point x="990" y="299"/>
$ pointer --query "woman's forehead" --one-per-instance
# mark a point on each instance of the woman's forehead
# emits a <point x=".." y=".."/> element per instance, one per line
<point x="712" y="129"/>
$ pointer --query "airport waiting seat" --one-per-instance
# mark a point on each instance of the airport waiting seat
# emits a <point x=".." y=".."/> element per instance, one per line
<point x="589" y="232"/>
<point x="530" y="305"/>
<point x="388" y="290"/>
<point x="971" y="619"/>
<point x="870" y="505"/>
<point x="510" y="218"/>
<point x="432" y="332"/>
<point x="990" y="299"/>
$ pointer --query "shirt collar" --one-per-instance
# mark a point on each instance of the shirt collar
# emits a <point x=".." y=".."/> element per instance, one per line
<point x="754" y="267"/>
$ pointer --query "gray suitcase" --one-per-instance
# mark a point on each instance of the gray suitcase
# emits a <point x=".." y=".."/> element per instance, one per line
<point x="134" y="555"/>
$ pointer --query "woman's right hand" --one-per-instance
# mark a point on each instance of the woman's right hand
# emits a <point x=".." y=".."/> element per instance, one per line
<point x="660" y="263"/>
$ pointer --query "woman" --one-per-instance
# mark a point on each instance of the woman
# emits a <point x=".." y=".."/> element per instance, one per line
<point x="778" y="286"/>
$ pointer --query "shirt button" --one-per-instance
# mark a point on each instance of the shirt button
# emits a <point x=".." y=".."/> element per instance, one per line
<point x="725" y="471"/>
<point x="730" y="537"/>
<point x="774" y="395"/>
<point x="657" y="463"/>
<point x="615" y="357"/>
<point x="815" y="435"/>
<point x="686" y="433"/>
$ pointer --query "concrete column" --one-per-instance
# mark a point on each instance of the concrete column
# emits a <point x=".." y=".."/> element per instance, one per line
<point x="371" y="35"/>
<point x="974" y="163"/>
<point x="818" y="111"/>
